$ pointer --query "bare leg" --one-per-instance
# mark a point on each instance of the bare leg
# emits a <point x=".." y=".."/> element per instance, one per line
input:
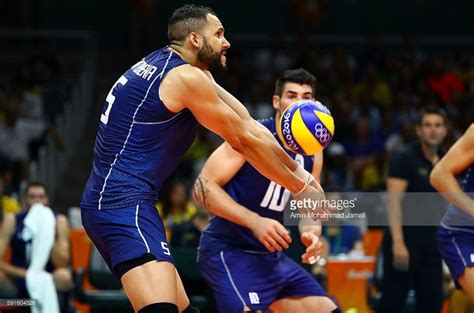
<point x="62" y="279"/>
<point x="182" y="298"/>
<point x="149" y="283"/>
<point x="310" y="304"/>
<point x="467" y="282"/>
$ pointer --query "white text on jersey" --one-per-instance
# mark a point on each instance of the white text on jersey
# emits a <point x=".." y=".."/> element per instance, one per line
<point x="144" y="70"/>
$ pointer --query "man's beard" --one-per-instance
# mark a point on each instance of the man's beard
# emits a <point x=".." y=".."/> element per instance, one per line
<point x="207" y="56"/>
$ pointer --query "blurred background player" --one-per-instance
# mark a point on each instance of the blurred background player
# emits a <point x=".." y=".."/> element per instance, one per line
<point x="12" y="275"/>
<point x="456" y="234"/>
<point x="411" y="259"/>
<point x="240" y="251"/>
<point x="148" y="123"/>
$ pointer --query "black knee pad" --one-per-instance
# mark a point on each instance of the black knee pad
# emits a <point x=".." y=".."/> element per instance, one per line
<point x="161" y="307"/>
<point x="124" y="267"/>
<point x="337" y="311"/>
<point x="191" y="309"/>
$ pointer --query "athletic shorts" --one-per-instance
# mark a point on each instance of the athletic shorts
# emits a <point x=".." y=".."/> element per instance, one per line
<point x="125" y="234"/>
<point x="457" y="249"/>
<point x="255" y="280"/>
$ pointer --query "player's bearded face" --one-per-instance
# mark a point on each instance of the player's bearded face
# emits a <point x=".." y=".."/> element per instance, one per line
<point x="211" y="58"/>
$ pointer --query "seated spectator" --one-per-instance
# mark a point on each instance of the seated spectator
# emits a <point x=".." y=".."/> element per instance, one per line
<point x="366" y="155"/>
<point x="15" y="135"/>
<point x="343" y="239"/>
<point x="12" y="275"/>
<point x="174" y="206"/>
<point x="187" y="234"/>
<point x="7" y="204"/>
<point x="336" y="170"/>
<point x="378" y="89"/>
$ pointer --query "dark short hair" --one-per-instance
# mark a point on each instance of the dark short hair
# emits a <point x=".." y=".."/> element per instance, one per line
<point x="187" y="19"/>
<point x="35" y="184"/>
<point x="431" y="109"/>
<point x="299" y="76"/>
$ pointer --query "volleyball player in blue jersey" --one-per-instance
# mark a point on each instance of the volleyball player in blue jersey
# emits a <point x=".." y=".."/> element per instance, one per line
<point x="148" y="122"/>
<point x="240" y="253"/>
<point x="456" y="234"/>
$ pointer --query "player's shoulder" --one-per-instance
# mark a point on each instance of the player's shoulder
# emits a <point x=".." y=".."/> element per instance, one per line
<point x="187" y="72"/>
<point x="470" y="130"/>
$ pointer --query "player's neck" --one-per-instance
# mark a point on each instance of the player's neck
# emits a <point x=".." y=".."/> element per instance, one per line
<point x="187" y="55"/>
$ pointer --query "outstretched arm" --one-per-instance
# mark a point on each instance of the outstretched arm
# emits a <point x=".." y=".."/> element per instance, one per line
<point x="240" y="109"/>
<point x="443" y="176"/>
<point x="189" y="86"/>
<point x="208" y="191"/>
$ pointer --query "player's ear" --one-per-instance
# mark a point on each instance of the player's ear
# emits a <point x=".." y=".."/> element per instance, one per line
<point x="195" y="39"/>
<point x="276" y="102"/>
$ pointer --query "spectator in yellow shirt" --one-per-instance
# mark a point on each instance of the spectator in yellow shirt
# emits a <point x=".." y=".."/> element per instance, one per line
<point x="8" y="204"/>
<point x="174" y="206"/>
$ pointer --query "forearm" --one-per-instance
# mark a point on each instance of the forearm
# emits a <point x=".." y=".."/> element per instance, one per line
<point x="394" y="219"/>
<point x="239" y="108"/>
<point x="12" y="270"/>
<point x="284" y="157"/>
<point x="210" y="195"/>
<point x="260" y="154"/>
<point x="60" y="254"/>
<point x="446" y="183"/>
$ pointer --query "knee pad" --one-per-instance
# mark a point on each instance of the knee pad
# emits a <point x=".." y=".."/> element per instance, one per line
<point x="161" y="307"/>
<point x="191" y="309"/>
<point x="336" y="311"/>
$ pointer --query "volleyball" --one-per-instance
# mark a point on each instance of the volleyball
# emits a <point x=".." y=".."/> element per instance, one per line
<point x="306" y="127"/>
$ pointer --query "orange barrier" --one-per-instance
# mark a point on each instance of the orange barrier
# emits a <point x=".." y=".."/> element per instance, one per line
<point x="80" y="247"/>
<point x="347" y="282"/>
<point x="372" y="240"/>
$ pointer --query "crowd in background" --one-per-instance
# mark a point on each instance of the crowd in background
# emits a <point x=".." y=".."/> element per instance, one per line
<point x="30" y="100"/>
<point x="373" y="94"/>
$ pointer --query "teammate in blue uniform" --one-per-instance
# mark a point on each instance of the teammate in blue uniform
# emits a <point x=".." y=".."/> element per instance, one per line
<point x="456" y="234"/>
<point x="240" y="253"/>
<point x="12" y="275"/>
<point x="148" y="122"/>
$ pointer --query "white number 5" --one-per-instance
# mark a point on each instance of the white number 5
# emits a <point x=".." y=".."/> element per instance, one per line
<point x="104" y="118"/>
<point x="164" y="246"/>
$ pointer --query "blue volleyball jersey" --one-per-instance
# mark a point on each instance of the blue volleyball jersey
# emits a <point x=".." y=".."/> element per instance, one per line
<point x="257" y="193"/>
<point x="454" y="217"/>
<point x="139" y="142"/>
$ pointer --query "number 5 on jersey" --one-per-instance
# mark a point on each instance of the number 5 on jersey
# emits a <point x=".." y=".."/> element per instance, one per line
<point x="104" y="118"/>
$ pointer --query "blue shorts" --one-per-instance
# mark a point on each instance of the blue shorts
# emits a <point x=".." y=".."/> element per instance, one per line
<point x="457" y="249"/>
<point x="125" y="234"/>
<point x="255" y="280"/>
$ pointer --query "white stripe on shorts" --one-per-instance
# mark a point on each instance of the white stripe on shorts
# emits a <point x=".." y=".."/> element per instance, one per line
<point x="457" y="248"/>
<point x="139" y="231"/>
<point x="231" y="280"/>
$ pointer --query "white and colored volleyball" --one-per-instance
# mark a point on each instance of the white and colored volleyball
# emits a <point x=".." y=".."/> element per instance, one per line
<point x="306" y="127"/>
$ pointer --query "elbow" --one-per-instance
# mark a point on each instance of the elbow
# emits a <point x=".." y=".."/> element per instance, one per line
<point x="435" y="177"/>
